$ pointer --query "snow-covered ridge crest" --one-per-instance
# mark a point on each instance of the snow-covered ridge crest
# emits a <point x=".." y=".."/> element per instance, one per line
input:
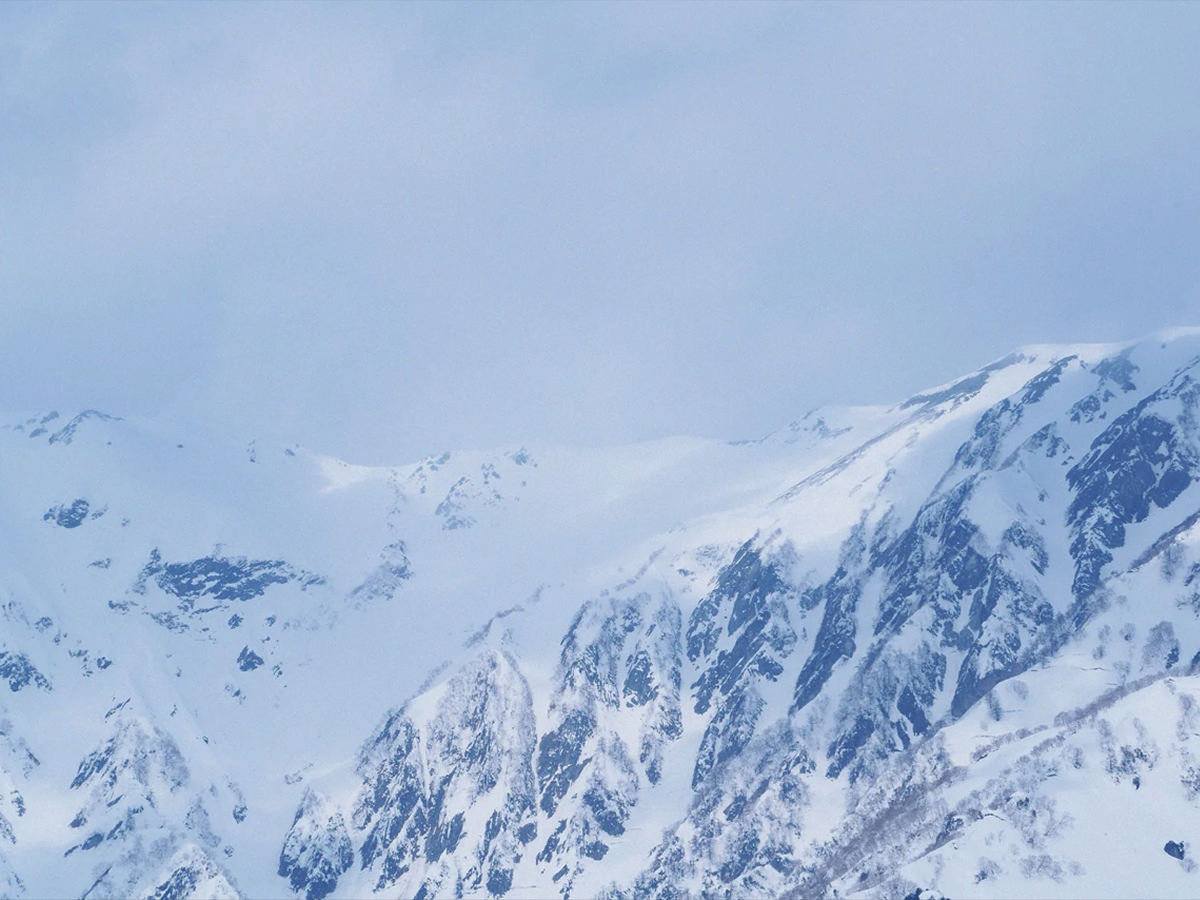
<point x="882" y="651"/>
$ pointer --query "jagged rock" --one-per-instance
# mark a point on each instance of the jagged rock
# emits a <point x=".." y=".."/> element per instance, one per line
<point x="19" y="672"/>
<point x="394" y="569"/>
<point x="68" y="516"/>
<point x="218" y="578"/>
<point x="191" y="873"/>
<point x="965" y="625"/>
<point x="248" y="660"/>
<point x="317" y="849"/>
<point x="422" y="779"/>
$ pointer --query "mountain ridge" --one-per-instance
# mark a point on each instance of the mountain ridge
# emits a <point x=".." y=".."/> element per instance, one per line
<point x="837" y="659"/>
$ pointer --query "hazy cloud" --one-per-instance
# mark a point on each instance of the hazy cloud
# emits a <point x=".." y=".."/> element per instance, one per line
<point x="387" y="229"/>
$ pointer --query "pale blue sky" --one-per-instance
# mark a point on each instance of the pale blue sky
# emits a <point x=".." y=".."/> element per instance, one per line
<point x="384" y="230"/>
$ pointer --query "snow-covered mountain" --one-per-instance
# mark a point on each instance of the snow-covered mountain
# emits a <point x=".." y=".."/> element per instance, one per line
<point x="946" y="646"/>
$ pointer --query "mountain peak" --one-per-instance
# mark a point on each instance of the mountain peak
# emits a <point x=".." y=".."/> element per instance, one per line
<point x="884" y="651"/>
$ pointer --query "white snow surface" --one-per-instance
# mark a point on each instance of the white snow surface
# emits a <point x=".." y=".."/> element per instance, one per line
<point x="213" y="650"/>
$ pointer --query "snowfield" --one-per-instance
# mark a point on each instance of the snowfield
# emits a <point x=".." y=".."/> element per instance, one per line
<point x="948" y="647"/>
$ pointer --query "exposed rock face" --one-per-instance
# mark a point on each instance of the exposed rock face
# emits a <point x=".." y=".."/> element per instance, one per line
<point x="192" y="873"/>
<point x="317" y="849"/>
<point x="905" y="652"/>
<point x="445" y="798"/>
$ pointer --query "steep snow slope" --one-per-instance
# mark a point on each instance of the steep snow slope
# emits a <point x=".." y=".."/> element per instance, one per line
<point x="946" y="645"/>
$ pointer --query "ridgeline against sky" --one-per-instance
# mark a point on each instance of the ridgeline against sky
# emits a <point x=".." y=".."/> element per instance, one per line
<point x="385" y="230"/>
